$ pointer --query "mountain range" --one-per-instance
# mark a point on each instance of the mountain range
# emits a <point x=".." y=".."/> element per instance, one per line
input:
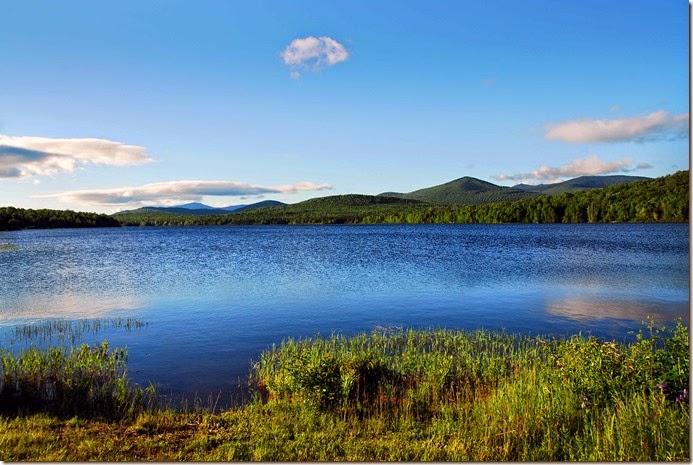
<point x="196" y="208"/>
<point x="472" y="191"/>
<point x="582" y="183"/>
<point x="462" y="191"/>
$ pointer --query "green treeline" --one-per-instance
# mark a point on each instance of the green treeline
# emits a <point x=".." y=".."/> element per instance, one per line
<point x="664" y="199"/>
<point x="12" y="219"/>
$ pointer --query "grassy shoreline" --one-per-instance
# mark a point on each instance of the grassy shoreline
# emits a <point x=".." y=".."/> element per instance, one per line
<point x="407" y="395"/>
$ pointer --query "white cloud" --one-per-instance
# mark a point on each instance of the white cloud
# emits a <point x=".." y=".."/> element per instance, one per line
<point x="22" y="157"/>
<point x="638" y="128"/>
<point x="169" y="193"/>
<point x="313" y="53"/>
<point x="581" y="167"/>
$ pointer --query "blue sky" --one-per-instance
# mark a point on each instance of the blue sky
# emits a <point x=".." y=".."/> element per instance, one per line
<point x="107" y="106"/>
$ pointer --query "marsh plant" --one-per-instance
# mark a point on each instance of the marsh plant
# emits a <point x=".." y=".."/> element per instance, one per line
<point x="83" y="380"/>
<point x="390" y="395"/>
<point x="70" y="378"/>
<point x="494" y="396"/>
<point x="71" y="331"/>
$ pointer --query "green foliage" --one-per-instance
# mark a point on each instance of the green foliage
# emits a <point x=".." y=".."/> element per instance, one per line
<point x="467" y="191"/>
<point x="12" y="219"/>
<point x="664" y="199"/>
<point x="409" y="370"/>
<point x="490" y="396"/>
<point x="86" y="380"/>
<point x="583" y="183"/>
<point x="409" y="396"/>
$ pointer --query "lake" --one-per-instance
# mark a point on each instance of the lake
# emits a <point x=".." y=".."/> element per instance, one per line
<point x="214" y="297"/>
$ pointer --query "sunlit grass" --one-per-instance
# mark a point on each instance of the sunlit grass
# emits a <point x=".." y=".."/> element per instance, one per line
<point x="82" y="380"/>
<point x="412" y="395"/>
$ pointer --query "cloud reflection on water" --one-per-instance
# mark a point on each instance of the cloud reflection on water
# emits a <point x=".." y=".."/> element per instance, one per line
<point x="65" y="306"/>
<point x="590" y="308"/>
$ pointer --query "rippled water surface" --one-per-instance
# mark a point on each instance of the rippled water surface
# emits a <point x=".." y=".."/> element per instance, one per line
<point x="214" y="297"/>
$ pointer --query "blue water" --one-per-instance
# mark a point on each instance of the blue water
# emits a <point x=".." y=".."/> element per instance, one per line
<point x="214" y="297"/>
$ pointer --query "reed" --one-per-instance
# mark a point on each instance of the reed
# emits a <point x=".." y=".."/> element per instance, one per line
<point x="71" y="331"/>
<point x="493" y="396"/>
<point x="83" y="380"/>
<point x="409" y="395"/>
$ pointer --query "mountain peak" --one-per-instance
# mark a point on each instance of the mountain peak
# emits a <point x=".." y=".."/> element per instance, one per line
<point x="465" y="191"/>
<point x="194" y="206"/>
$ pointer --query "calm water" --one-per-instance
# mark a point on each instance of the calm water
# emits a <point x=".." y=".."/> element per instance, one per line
<point x="215" y="297"/>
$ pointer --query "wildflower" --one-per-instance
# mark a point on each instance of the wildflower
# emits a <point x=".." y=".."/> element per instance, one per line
<point x="683" y="397"/>
<point x="585" y="402"/>
<point x="662" y="387"/>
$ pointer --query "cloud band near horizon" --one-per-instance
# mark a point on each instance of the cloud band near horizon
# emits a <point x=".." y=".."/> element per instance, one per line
<point x="589" y="166"/>
<point x="657" y="125"/>
<point x="168" y="193"/>
<point x="24" y="156"/>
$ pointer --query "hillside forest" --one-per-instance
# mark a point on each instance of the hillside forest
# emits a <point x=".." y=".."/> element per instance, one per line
<point x="664" y="199"/>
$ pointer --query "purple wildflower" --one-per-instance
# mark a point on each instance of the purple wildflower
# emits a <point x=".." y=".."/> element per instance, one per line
<point x="683" y="397"/>
<point x="662" y="386"/>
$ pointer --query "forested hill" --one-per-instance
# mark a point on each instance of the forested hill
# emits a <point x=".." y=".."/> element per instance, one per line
<point x="472" y="191"/>
<point x="581" y="183"/>
<point x="663" y="199"/>
<point x="12" y="219"/>
<point x="465" y="191"/>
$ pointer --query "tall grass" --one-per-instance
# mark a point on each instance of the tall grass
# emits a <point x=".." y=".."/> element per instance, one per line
<point x="403" y="395"/>
<point x="493" y="396"/>
<point x="83" y="380"/>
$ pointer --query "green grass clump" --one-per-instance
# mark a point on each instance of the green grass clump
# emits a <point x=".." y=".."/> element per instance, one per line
<point x="84" y="380"/>
<point x="492" y="396"/>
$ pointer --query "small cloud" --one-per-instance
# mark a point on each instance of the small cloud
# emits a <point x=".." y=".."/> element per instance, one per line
<point x="313" y="53"/>
<point x="581" y="167"/>
<point x="638" y="128"/>
<point x="22" y="157"/>
<point x="488" y="82"/>
<point x="613" y="108"/>
<point x="177" y="191"/>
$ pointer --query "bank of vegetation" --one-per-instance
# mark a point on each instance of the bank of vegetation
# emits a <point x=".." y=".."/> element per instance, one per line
<point x="12" y="219"/>
<point x="389" y="395"/>
<point x="664" y="199"/>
